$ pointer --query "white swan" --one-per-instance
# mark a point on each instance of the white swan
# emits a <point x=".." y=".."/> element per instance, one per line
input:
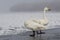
<point x="36" y="24"/>
<point x="43" y="21"/>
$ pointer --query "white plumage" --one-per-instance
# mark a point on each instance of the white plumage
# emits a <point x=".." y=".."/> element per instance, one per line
<point x="33" y="25"/>
<point x="37" y="24"/>
<point x="43" y="21"/>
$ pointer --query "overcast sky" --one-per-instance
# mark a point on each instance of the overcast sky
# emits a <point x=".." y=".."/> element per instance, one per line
<point x="28" y="5"/>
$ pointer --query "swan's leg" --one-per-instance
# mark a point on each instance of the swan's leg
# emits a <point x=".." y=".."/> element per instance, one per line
<point x="40" y="32"/>
<point x="33" y="35"/>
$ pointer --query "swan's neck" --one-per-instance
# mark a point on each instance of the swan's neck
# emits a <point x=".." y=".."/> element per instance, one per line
<point x="44" y="15"/>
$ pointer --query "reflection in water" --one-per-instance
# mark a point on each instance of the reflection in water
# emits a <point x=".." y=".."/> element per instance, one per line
<point x="56" y="36"/>
<point x="39" y="37"/>
<point x="53" y="34"/>
<point x="50" y="35"/>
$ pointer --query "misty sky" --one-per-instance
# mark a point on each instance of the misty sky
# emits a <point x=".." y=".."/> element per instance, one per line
<point x="28" y="5"/>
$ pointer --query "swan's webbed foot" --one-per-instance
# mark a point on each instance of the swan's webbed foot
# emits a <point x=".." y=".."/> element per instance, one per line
<point x="33" y="35"/>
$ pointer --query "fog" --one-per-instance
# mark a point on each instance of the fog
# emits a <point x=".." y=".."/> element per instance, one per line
<point x="28" y="5"/>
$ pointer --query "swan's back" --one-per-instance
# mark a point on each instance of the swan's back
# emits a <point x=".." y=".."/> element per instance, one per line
<point x="43" y="22"/>
<point x="33" y="25"/>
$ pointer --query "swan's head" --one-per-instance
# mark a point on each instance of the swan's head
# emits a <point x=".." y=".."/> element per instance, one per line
<point x="47" y="9"/>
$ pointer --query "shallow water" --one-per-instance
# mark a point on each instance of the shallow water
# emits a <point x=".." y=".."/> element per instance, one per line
<point x="51" y="34"/>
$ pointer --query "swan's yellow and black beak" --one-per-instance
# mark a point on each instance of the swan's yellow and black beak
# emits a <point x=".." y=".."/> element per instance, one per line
<point x="49" y="9"/>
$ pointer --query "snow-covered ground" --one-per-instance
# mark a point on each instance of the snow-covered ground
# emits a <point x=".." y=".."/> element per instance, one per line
<point x="11" y="20"/>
